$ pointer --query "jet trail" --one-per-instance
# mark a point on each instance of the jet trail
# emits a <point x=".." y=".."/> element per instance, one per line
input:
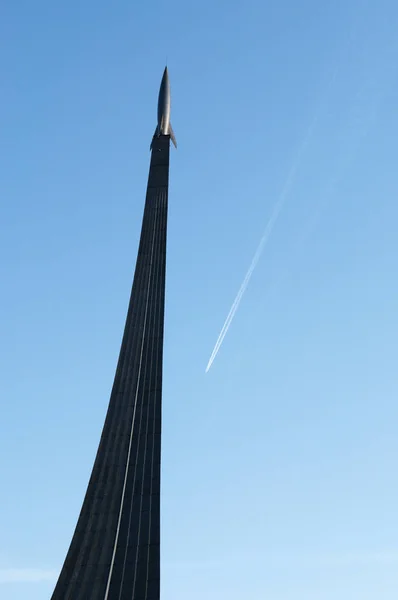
<point x="267" y="232"/>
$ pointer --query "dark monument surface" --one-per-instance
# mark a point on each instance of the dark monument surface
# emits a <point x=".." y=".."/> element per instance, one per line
<point x="115" y="550"/>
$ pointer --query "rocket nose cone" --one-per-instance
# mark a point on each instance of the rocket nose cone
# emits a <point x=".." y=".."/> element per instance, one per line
<point x="165" y="83"/>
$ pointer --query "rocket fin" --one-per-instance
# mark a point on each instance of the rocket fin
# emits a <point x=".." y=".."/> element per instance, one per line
<point x="172" y="136"/>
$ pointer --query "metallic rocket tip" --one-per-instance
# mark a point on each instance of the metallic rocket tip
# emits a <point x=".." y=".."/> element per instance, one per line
<point x="164" y="103"/>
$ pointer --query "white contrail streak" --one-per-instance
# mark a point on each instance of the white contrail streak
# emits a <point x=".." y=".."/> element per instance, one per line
<point x="267" y="232"/>
<point x="275" y="213"/>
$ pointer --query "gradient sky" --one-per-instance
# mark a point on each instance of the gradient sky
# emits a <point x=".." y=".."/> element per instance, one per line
<point x="280" y="464"/>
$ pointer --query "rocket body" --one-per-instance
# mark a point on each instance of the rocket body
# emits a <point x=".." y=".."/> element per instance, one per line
<point x="164" y="105"/>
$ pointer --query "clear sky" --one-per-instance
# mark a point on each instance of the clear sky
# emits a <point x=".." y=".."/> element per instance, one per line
<point x="280" y="464"/>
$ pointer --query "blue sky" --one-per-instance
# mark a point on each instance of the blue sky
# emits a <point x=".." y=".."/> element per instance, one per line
<point x="279" y="465"/>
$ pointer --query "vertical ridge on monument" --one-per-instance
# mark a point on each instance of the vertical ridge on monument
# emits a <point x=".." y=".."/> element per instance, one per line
<point x="115" y="550"/>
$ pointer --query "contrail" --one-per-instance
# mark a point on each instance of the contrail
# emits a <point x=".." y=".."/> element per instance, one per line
<point x="275" y="213"/>
<point x="267" y="232"/>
